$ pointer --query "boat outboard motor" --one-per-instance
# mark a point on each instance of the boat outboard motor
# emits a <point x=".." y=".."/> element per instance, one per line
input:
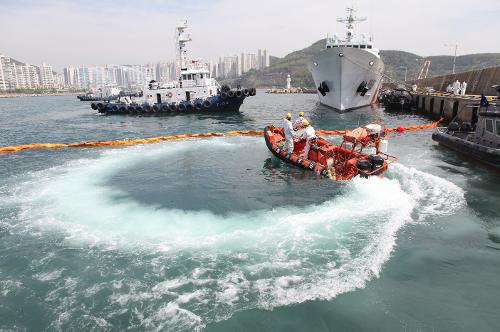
<point x="466" y="126"/>
<point x="364" y="166"/>
<point x="377" y="163"/>
<point x="453" y="126"/>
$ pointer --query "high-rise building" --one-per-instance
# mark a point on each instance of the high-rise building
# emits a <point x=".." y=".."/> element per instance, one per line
<point x="165" y="72"/>
<point x="2" y="79"/>
<point x="215" y="70"/>
<point x="234" y="66"/>
<point x="265" y="60"/>
<point x="8" y="79"/>
<point x="46" y="76"/>
<point x="229" y="66"/>
<point x="28" y="77"/>
<point x="70" y="76"/>
<point x="83" y="77"/>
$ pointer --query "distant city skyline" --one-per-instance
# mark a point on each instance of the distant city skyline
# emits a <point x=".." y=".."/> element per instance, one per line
<point x="100" y="32"/>
<point x="17" y="74"/>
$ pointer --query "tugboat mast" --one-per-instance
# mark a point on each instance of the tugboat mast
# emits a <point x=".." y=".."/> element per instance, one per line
<point x="350" y="21"/>
<point x="181" y="39"/>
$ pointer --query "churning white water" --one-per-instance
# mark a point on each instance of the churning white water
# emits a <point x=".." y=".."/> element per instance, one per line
<point x="207" y="266"/>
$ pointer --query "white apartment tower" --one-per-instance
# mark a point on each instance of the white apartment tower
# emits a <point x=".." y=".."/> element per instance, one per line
<point x="46" y="76"/>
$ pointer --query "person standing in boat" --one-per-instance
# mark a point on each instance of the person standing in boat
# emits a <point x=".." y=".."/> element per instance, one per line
<point x="298" y="124"/>
<point x="310" y="136"/>
<point x="289" y="132"/>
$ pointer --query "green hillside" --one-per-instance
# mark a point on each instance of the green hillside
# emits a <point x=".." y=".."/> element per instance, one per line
<point x="295" y="64"/>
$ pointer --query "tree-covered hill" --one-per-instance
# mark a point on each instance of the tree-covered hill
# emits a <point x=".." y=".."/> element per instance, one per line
<point x="296" y="63"/>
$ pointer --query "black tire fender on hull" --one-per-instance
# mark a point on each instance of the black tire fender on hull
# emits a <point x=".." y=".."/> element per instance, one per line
<point x="212" y="105"/>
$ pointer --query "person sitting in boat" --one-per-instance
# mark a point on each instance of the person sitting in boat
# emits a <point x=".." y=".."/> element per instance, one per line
<point x="289" y="132"/>
<point x="297" y="125"/>
<point x="310" y="136"/>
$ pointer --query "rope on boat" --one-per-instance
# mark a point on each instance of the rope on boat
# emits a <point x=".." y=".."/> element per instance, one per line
<point x="16" y="148"/>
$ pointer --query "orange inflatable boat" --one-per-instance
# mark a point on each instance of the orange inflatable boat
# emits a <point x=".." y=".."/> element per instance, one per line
<point x="360" y="153"/>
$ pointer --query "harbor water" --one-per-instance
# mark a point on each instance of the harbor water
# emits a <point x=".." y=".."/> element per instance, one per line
<point x="216" y="234"/>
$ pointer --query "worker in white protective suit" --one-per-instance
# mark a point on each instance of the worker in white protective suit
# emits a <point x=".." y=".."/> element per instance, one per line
<point x="310" y="136"/>
<point x="289" y="133"/>
<point x="456" y="88"/>
<point x="463" y="88"/>
<point x="297" y="125"/>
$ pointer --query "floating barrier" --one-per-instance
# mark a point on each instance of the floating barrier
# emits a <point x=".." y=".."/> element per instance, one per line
<point x="137" y="141"/>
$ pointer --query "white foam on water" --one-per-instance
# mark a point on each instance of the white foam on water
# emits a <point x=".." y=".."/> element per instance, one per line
<point x="260" y="259"/>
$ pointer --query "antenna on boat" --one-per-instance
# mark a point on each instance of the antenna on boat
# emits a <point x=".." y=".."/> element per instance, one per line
<point x="181" y="39"/>
<point x="350" y="21"/>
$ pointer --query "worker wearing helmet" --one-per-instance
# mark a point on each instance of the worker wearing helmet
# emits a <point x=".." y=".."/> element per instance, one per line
<point x="289" y="132"/>
<point x="310" y="136"/>
<point x="297" y="125"/>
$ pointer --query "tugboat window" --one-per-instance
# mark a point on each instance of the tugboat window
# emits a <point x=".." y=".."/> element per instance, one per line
<point x="489" y="125"/>
<point x="363" y="46"/>
<point x="498" y="127"/>
<point x="369" y="46"/>
<point x="201" y="76"/>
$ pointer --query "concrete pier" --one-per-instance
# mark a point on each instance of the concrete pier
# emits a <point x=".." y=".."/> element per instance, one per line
<point x="449" y="106"/>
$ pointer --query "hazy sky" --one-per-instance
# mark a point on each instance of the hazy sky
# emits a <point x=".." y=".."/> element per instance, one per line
<point x="97" y="32"/>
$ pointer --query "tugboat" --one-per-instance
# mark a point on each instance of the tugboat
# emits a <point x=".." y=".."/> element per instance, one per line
<point x="348" y="72"/>
<point x="399" y="99"/>
<point x="362" y="152"/>
<point x="195" y="90"/>
<point x="482" y="142"/>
